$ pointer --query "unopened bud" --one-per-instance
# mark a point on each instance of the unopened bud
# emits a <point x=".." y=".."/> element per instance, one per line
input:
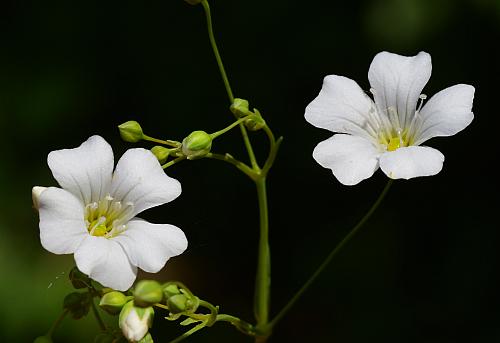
<point x="239" y="107"/>
<point x="43" y="339"/>
<point x="196" y="145"/>
<point x="36" y="192"/>
<point x="170" y="289"/>
<point x="255" y="121"/>
<point x="161" y="153"/>
<point x="78" y="279"/>
<point x="131" y="131"/>
<point x="147" y="293"/>
<point x="135" y="321"/>
<point x="178" y="303"/>
<point x="113" y="302"/>
<point x="193" y="2"/>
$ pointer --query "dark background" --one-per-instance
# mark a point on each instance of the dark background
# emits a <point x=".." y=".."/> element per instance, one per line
<point x="424" y="269"/>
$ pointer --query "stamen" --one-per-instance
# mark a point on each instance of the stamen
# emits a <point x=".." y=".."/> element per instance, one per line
<point x="422" y="97"/>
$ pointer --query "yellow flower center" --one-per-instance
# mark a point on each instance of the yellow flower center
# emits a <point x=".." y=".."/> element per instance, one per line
<point x="107" y="217"/>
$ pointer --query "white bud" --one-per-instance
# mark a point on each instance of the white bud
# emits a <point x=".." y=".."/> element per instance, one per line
<point x="135" y="322"/>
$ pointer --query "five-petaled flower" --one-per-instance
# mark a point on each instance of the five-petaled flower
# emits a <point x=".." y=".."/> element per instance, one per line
<point x="389" y="131"/>
<point x="94" y="214"/>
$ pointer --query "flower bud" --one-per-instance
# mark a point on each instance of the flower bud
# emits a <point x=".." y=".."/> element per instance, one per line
<point x="178" y="303"/>
<point x="193" y="2"/>
<point x="36" y="192"/>
<point x="255" y="121"/>
<point x="147" y="293"/>
<point x="43" y="339"/>
<point x="196" y="145"/>
<point x="113" y="302"/>
<point x="161" y="153"/>
<point x="135" y="321"/>
<point x="239" y="107"/>
<point x="170" y="289"/>
<point x="78" y="279"/>
<point x="131" y="131"/>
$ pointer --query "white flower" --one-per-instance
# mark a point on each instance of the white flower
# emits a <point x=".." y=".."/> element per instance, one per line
<point x="94" y="214"/>
<point x="388" y="132"/>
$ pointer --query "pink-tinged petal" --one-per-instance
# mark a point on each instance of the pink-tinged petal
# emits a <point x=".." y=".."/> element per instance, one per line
<point x="84" y="171"/>
<point x="106" y="262"/>
<point x="341" y="106"/>
<point x="446" y="113"/>
<point x="412" y="161"/>
<point x="351" y="159"/>
<point x="149" y="246"/>
<point x="397" y="82"/>
<point x="140" y="180"/>
<point x="62" y="226"/>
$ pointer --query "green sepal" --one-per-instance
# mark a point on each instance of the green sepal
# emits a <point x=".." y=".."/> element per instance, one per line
<point x="189" y="321"/>
<point x="255" y="121"/>
<point x="112" y="302"/>
<point x="170" y="289"/>
<point x="239" y="107"/>
<point x="146" y="339"/>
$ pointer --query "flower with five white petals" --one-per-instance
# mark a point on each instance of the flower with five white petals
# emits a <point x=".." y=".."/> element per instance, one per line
<point x="387" y="132"/>
<point x="93" y="215"/>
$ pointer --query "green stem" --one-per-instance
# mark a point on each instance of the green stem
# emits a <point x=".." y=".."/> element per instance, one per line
<point x="188" y="333"/>
<point x="263" y="277"/>
<point x="241" y="325"/>
<point x="230" y="159"/>
<point x="174" y="161"/>
<point x="56" y="324"/>
<point x="223" y="74"/>
<point x="160" y="141"/>
<point x="332" y="254"/>
<point x="206" y="7"/>
<point x="98" y="316"/>
<point x="220" y="132"/>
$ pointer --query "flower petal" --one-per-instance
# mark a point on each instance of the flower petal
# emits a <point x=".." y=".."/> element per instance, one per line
<point x="105" y="261"/>
<point x="351" y="159"/>
<point x="446" y="113"/>
<point x="84" y="171"/>
<point x="139" y="179"/>
<point x="341" y="106"/>
<point x="397" y="82"/>
<point x="149" y="246"/>
<point x="62" y="226"/>
<point x="412" y="161"/>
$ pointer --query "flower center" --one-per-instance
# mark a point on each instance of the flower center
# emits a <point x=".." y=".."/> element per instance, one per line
<point x="107" y="217"/>
<point x="392" y="131"/>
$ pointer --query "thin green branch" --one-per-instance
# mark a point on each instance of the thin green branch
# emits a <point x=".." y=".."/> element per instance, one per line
<point x="56" y="323"/>
<point x="174" y="161"/>
<point x="97" y="316"/>
<point x="332" y="254"/>
<point x="211" y="36"/>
